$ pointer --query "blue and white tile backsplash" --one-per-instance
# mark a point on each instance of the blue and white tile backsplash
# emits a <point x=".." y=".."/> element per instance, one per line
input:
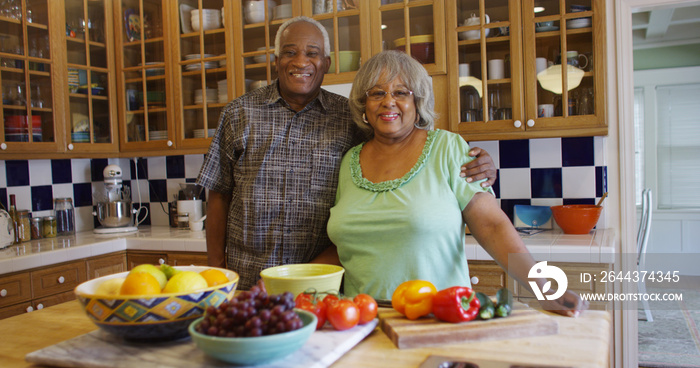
<point x="546" y="172"/>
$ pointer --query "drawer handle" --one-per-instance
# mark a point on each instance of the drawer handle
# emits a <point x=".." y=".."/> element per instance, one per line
<point x="3" y="292"/>
<point x="39" y="306"/>
<point x="30" y="309"/>
<point x="474" y="280"/>
<point x="61" y="279"/>
<point x="161" y="261"/>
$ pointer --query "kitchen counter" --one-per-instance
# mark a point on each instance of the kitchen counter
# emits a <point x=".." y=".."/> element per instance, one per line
<point x="581" y="342"/>
<point x="595" y="247"/>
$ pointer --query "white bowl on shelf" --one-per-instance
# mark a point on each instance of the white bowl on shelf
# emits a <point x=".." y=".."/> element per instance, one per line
<point x="255" y="10"/>
<point x="211" y="19"/>
<point x="283" y="11"/>
<point x="262" y="58"/>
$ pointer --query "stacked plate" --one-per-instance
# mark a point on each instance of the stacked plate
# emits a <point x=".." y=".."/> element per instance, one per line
<point x="223" y="91"/>
<point x="578" y="23"/>
<point x="73" y="79"/>
<point x="199" y="133"/>
<point x="158" y="135"/>
<point x="212" y="95"/>
<point x="198" y="66"/>
<point x="211" y="19"/>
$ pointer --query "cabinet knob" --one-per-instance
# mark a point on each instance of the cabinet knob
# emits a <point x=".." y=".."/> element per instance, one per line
<point x="170" y="143"/>
<point x="3" y="146"/>
<point x="517" y="124"/>
<point x="3" y="292"/>
<point x="474" y="280"/>
<point x="61" y="279"/>
<point x="30" y="309"/>
<point x="531" y="123"/>
<point x="161" y="261"/>
<point x="39" y="306"/>
<point x="70" y="146"/>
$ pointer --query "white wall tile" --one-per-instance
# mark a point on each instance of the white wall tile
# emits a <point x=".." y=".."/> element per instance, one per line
<point x="158" y="217"/>
<point x="599" y="151"/>
<point x="3" y="174"/>
<point x="81" y="171"/>
<point x="546" y="201"/>
<point x="545" y="153"/>
<point x="156" y="168"/>
<point x="515" y="183"/>
<point x="40" y="172"/>
<point x="63" y="190"/>
<point x="578" y="182"/>
<point x="23" y="197"/>
<point x="193" y="163"/>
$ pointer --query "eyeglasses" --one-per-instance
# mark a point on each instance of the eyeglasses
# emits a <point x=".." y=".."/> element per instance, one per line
<point x="398" y="95"/>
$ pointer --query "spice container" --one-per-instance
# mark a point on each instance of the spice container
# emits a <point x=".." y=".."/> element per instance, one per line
<point x="50" y="230"/>
<point x="24" y="226"/>
<point x="65" y="216"/>
<point x="37" y="228"/>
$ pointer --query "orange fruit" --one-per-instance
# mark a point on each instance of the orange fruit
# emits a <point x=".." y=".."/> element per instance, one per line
<point x="214" y="277"/>
<point x="140" y="283"/>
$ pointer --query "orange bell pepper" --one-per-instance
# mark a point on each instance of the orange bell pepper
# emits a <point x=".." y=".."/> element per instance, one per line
<point x="414" y="298"/>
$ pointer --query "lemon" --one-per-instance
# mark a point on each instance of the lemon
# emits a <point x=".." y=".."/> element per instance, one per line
<point x="185" y="281"/>
<point x="110" y="287"/>
<point x="168" y="270"/>
<point x="154" y="271"/>
<point x="139" y="283"/>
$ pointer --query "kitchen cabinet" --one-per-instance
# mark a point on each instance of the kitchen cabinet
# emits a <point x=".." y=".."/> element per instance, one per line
<point x="135" y="258"/>
<point x="30" y="90"/>
<point x="187" y="259"/>
<point x="105" y="265"/>
<point x="143" y="68"/>
<point x="487" y="277"/>
<point x="496" y="91"/>
<point x="91" y="111"/>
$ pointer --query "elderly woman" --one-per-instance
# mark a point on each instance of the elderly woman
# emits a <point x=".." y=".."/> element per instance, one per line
<point x="401" y="207"/>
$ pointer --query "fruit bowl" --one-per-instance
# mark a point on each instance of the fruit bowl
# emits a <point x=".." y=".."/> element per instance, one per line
<point x="576" y="218"/>
<point x="156" y="317"/>
<point x="255" y="350"/>
<point x="296" y="278"/>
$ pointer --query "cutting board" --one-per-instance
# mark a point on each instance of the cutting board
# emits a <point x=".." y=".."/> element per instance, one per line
<point x="428" y="331"/>
<point x="100" y="349"/>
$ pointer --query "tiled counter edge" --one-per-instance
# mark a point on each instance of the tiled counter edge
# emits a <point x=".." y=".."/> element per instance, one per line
<point x="597" y="247"/>
<point x="46" y="252"/>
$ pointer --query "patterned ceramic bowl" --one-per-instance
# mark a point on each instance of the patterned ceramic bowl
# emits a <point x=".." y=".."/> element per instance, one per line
<point x="152" y="317"/>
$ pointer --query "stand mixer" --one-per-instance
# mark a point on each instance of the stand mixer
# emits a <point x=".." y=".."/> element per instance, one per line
<point x="114" y="210"/>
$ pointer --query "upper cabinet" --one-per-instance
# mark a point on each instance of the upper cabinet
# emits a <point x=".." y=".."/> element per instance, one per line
<point x="144" y="75"/>
<point x="526" y="70"/>
<point x="28" y="79"/>
<point x="91" y="113"/>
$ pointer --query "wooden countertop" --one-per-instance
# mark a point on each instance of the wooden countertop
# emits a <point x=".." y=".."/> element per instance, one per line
<point x="581" y="342"/>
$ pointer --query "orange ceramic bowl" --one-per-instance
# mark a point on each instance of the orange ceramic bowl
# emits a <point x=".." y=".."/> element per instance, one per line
<point x="576" y="218"/>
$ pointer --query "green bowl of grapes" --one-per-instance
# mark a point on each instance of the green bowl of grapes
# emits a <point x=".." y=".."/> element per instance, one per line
<point x="247" y="331"/>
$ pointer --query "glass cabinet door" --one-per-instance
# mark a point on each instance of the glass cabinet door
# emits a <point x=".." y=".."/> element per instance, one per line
<point x="488" y="73"/>
<point x="564" y="77"/>
<point x="415" y="27"/>
<point x="143" y="75"/>
<point x="26" y="78"/>
<point x="202" y="68"/>
<point x="90" y="116"/>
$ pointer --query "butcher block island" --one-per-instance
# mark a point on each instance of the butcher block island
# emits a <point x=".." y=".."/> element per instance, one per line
<point x="578" y="342"/>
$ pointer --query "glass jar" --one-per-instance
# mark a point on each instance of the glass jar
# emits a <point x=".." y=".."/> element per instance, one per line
<point x="24" y="226"/>
<point x="65" y="216"/>
<point x="37" y="228"/>
<point x="50" y="230"/>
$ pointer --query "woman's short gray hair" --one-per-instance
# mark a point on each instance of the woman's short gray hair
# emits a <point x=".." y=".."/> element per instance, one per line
<point x="389" y="65"/>
<point x="326" y="41"/>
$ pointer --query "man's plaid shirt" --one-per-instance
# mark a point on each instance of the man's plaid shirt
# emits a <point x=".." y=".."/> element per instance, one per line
<point x="281" y="169"/>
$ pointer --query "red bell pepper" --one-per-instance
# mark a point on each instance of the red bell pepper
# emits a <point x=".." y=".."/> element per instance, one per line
<point x="456" y="304"/>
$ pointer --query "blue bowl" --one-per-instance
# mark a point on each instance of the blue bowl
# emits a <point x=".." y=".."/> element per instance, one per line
<point x="255" y="350"/>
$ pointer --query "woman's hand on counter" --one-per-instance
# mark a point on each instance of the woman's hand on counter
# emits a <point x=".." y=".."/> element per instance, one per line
<point x="570" y="304"/>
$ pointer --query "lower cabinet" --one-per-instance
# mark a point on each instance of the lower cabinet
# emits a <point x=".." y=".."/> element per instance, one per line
<point x="106" y="265"/>
<point x="135" y="258"/>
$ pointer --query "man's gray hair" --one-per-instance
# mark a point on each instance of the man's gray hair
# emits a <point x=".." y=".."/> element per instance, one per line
<point x="326" y="41"/>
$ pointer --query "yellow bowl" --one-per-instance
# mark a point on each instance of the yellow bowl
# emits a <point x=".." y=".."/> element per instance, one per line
<point x="296" y="278"/>
<point x="155" y="317"/>
<point x="349" y="61"/>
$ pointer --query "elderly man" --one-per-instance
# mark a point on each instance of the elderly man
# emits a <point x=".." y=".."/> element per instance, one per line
<point x="272" y="167"/>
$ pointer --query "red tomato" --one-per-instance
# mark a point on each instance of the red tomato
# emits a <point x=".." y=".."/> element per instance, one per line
<point x="368" y="307"/>
<point x="330" y="299"/>
<point x="343" y="314"/>
<point x="317" y="307"/>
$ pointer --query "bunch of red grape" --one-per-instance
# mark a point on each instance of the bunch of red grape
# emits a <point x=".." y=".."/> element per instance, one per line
<point x="251" y="313"/>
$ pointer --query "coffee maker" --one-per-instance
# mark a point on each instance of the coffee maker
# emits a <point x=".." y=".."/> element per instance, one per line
<point x="113" y="202"/>
<point x="189" y="203"/>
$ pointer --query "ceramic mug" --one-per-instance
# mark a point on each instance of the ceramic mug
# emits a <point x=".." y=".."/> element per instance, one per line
<point x="545" y="110"/>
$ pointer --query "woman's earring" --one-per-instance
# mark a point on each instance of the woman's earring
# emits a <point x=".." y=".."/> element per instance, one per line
<point x="364" y="118"/>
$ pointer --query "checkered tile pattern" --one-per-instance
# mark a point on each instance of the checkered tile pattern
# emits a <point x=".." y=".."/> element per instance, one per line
<point x="544" y="172"/>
